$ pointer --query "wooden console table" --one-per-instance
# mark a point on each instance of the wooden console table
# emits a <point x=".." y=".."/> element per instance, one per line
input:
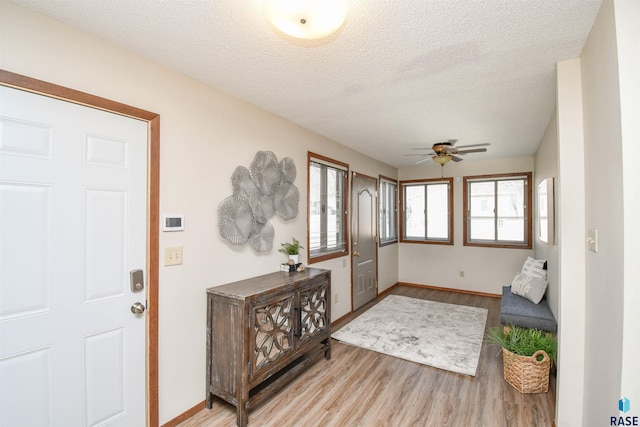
<point x="262" y="332"/>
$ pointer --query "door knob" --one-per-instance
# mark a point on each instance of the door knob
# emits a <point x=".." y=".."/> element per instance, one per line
<point x="137" y="308"/>
<point x="356" y="253"/>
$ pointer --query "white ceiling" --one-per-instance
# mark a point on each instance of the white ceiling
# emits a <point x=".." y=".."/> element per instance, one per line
<point x="399" y="75"/>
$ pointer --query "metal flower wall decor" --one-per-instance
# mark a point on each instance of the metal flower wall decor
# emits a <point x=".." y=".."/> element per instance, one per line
<point x="263" y="190"/>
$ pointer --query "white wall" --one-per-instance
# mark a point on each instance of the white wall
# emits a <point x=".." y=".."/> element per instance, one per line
<point x="627" y="16"/>
<point x="485" y="269"/>
<point x="204" y="135"/>
<point x="604" y="212"/>
<point x="546" y="166"/>
<point x="599" y="292"/>
<point x="571" y="246"/>
<point x="388" y="267"/>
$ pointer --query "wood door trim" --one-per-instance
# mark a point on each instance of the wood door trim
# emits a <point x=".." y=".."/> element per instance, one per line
<point x="18" y="81"/>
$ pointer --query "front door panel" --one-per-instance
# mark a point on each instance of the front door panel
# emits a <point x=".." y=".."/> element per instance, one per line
<point x="363" y="239"/>
<point x="73" y="225"/>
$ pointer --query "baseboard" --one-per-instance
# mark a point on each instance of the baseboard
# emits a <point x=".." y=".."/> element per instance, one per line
<point x="388" y="290"/>
<point x="460" y="291"/>
<point x="185" y="415"/>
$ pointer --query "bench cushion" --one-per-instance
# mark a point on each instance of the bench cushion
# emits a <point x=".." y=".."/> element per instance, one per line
<point x="519" y="311"/>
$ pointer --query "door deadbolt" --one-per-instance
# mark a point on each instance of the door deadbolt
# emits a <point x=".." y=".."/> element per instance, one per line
<point x="136" y="277"/>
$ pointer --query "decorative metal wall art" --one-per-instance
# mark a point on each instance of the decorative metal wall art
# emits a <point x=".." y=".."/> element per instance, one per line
<point x="264" y="189"/>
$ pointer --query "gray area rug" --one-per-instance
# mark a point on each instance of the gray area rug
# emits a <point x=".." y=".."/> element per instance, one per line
<point x="445" y="336"/>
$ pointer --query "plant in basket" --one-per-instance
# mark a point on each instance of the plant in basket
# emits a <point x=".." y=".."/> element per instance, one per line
<point x="526" y="356"/>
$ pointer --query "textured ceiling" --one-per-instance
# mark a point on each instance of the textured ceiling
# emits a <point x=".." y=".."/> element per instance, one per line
<point x="398" y="75"/>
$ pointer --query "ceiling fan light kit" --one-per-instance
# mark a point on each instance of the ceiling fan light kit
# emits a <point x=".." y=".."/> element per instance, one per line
<point x="305" y="19"/>
<point x="442" y="159"/>
<point x="444" y="152"/>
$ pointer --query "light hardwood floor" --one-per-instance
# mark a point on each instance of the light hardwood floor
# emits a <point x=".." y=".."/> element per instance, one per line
<point x="358" y="387"/>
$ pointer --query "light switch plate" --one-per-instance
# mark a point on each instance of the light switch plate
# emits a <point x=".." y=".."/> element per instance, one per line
<point x="172" y="255"/>
<point x="592" y="239"/>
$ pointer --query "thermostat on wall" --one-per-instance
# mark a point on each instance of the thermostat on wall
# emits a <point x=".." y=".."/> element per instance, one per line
<point x="172" y="222"/>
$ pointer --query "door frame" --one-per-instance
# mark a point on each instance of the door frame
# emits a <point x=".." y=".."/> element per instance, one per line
<point x="18" y="81"/>
<point x="353" y="174"/>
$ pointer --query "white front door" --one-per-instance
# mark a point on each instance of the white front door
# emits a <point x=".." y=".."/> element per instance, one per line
<point x="73" y="209"/>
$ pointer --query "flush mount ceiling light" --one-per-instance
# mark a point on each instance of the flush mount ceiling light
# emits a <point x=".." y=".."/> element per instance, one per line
<point x="305" y="19"/>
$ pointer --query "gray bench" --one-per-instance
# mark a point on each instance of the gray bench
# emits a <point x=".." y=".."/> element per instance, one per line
<point x="519" y="311"/>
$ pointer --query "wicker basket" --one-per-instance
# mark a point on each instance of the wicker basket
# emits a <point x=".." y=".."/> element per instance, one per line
<point x="527" y="374"/>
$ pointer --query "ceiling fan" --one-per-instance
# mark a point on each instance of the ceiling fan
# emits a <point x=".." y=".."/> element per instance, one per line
<point x="444" y="152"/>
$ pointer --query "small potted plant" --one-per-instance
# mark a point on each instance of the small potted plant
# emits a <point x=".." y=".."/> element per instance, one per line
<point x="292" y="250"/>
<point x="526" y="356"/>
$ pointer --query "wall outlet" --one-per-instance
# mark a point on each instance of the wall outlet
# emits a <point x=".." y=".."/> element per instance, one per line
<point x="172" y="255"/>
<point x="335" y="298"/>
<point x="592" y="239"/>
<point x="344" y="263"/>
<point x="461" y="273"/>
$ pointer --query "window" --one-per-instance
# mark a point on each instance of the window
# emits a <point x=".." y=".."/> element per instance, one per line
<point x="388" y="211"/>
<point x="427" y="211"/>
<point x="327" y="208"/>
<point x="496" y="210"/>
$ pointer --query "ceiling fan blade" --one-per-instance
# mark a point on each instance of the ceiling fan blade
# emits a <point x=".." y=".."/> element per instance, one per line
<point x="424" y="160"/>
<point x="456" y="159"/>
<point x="475" y="150"/>
<point x="474" y="145"/>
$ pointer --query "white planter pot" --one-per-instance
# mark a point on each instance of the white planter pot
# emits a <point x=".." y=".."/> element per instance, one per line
<point x="294" y="258"/>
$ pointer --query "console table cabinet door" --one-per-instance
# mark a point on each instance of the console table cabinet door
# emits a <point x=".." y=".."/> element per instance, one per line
<point x="314" y="311"/>
<point x="272" y="333"/>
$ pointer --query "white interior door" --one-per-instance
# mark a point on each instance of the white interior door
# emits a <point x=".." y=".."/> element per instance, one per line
<point x="363" y="239"/>
<point x="73" y="204"/>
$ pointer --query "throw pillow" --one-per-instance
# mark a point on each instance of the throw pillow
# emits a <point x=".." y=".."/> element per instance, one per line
<point x="534" y="268"/>
<point x="529" y="287"/>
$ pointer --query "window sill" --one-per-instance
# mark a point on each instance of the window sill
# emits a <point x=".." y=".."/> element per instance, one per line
<point x="428" y="242"/>
<point x="499" y="245"/>
<point x="325" y="257"/>
<point x="387" y="243"/>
